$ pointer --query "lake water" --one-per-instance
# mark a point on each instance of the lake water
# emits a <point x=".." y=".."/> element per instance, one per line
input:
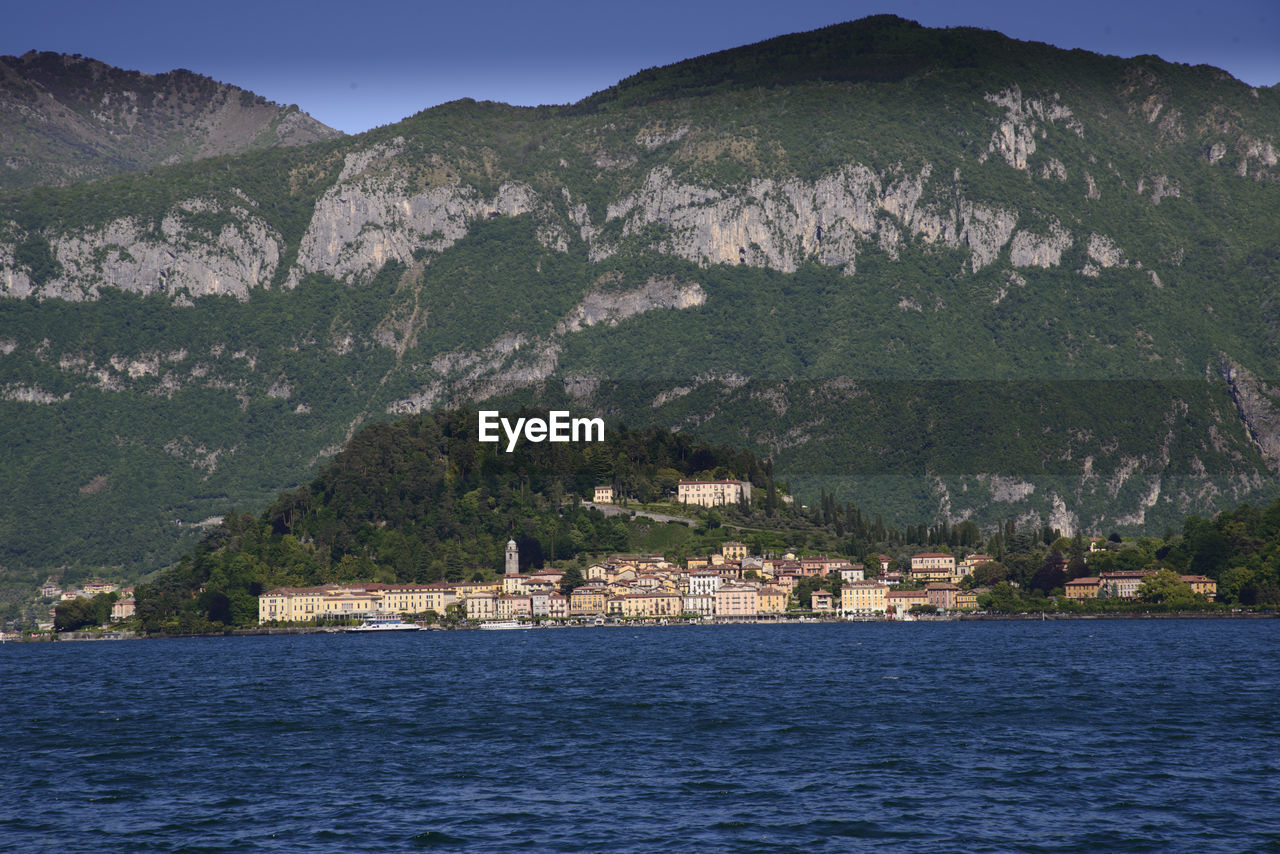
<point x="1037" y="736"/>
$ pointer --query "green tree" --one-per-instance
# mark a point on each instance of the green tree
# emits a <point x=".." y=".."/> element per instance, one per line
<point x="990" y="573"/>
<point x="1168" y="589"/>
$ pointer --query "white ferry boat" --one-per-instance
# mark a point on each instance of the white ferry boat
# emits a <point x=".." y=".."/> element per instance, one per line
<point x="498" y="625"/>
<point x="385" y="624"/>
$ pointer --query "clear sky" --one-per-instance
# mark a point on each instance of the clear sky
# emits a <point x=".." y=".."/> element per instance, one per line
<point x="357" y="64"/>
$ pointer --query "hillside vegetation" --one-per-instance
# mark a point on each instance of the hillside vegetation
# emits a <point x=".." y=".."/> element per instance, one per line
<point x="941" y="273"/>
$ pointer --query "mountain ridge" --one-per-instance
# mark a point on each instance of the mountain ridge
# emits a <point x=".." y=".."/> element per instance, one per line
<point x="942" y="296"/>
<point x="67" y="118"/>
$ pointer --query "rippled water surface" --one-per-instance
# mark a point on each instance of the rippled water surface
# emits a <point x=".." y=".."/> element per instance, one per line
<point x="1067" y="736"/>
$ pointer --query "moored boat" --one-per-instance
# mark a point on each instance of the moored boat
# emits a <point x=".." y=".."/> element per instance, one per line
<point x="385" y="624"/>
<point x="497" y="625"/>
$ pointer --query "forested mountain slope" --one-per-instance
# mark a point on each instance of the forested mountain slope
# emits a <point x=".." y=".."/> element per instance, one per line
<point x="941" y="273"/>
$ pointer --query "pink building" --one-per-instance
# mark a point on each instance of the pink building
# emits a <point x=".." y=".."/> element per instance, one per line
<point x="942" y="595"/>
<point x="737" y="601"/>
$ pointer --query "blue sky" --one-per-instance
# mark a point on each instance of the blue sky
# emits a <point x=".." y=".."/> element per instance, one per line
<point x="356" y="65"/>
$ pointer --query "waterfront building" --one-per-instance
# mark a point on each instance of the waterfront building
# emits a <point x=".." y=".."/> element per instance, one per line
<point x="645" y="605"/>
<point x="942" y="595"/>
<point x="588" y="599"/>
<point x="712" y="493"/>
<point x="1206" y="587"/>
<point x="700" y="604"/>
<point x="513" y="607"/>
<point x="898" y="603"/>
<point x="1124" y="583"/>
<point x="558" y="606"/>
<point x="1083" y="589"/>
<point x="123" y="609"/>
<point x="737" y="601"/>
<point x="413" y="598"/>
<point x="820" y="600"/>
<point x="300" y="604"/>
<point x="863" y="598"/>
<point x="771" y="599"/>
<point x="967" y="600"/>
<point x="482" y="606"/>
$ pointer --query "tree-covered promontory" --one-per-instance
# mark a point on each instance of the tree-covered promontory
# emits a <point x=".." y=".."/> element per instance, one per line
<point x="423" y="500"/>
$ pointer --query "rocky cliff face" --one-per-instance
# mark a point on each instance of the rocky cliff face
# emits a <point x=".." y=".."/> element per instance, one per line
<point x="515" y="362"/>
<point x="182" y="257"/>
<point x="813" y="268"/>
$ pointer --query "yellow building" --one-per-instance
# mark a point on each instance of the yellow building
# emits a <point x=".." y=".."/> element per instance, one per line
<point x="1205" y="586"/>
<point x="303" y="604"/>
<point x="771" y="599"/>
<point x="1082" y="589"/>
<point x="733" y="550"/>
<point x="588" y="599"/>
<point x="463" y="589"/>
<point x="933" y="567"/>
<point x="967" y="600"/>
<point x="645" y="605"/>
<point x="863" y="598"/>
<point x="972" y="562"/>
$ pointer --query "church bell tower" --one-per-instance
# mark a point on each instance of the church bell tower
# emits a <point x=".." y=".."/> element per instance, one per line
<point x="513" y="558"/>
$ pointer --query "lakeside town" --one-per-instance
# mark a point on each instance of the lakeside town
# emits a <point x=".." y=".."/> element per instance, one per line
<point x="728" y="585"/>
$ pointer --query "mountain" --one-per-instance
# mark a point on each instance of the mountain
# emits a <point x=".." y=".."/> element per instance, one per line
<point x="941" y="273"/>
<point x="69" y="118"/>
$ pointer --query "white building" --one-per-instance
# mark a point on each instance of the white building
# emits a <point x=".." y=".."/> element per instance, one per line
<point x="702" y="604"/>
<point x="712" y="493"/>
<point x="704" y="583"/>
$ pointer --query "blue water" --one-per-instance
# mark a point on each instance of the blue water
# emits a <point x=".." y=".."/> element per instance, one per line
<point x="1058" y="736"/>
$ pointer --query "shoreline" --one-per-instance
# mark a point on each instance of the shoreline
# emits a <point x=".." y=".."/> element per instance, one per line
<point x="261" y="631"/>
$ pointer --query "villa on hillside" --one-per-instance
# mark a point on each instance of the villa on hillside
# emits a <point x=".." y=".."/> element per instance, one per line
<point x="712" y="493"/>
